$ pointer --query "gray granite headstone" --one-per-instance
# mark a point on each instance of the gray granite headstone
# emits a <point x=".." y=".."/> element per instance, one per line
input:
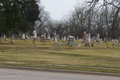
<point x="48" y="36"/>
<point x="58" y="38"/>
<point x="71" y="40"/>
<point x="16" y="36"/>
<point x="89" y="37"/>
<point x="79" y="45"/>
<point x="98" y="38"/>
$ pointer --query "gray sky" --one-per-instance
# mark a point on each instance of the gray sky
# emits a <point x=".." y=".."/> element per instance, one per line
<point x="59" y="8"/>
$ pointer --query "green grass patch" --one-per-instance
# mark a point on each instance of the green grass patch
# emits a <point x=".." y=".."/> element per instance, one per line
<point x="98" y="59"/>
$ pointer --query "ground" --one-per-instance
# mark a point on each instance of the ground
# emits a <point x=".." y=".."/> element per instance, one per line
<point x="97" y="59"/>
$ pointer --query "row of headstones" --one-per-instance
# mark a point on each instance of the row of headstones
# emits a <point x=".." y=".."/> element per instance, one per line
<point x="87" y="38"/>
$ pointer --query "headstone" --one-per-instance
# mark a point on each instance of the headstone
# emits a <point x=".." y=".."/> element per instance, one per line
<point x="42" y="38"/>
<point x="67" y="38"/>
<point x="34" y="37"/>
<point x="58" y="38"/>
<point x="71" y="40"/>
<point x="84" y="37"/>
<point x="98" y="38"/>
<point x="77" y="39"/>
<point x="89" y="37"/>
<point x="92" y="45"/>
<point x="113" y="41"/>
<point x="106" y="39"/>
<point x="99" y="43"/>
<point x="48" y="36"/>
<point x="45" y="35"/>
<point x="34" y="34"/>
<point x="23" y="36"/>
<point x="31" y="37"/>
<point x="107" y="42"/>
<point x="3" y="36"/>
<point x="16" y="36"/>
<point x="61" y="43"/>
<point x="55" y="38"/>
<point x="113" y="45"/>
<point x="93" y="38"/>
<point x="87" y="44"/>
<point x="38" y="38"/>
<point x="6" y="39"/>
<point x="79" y="45"/>
<point x="64" y="39"/>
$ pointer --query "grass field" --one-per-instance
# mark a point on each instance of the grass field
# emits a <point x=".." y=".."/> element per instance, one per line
<point x="97" y="59"/>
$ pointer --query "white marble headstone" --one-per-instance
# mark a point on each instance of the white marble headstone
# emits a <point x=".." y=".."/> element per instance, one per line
<point x="35" y="34"/>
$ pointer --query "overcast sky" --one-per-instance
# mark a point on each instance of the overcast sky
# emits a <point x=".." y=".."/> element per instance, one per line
<point x="59" y="8"/>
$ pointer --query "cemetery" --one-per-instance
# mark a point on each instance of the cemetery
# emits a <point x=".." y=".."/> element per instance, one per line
<point x="85" y="39"/>
<point x="47" y="53"/>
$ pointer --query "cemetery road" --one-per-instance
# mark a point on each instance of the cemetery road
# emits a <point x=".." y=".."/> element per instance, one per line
<point x="13" y="74"/>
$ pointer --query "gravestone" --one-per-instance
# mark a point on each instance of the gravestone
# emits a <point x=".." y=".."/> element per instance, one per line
<point x="113" y="41"/>
<point x="58" y="38"/>
<point x="89" y="37"/>
<point x="99" y="43"/>
<point x="84" y="37"/>
<point x="45" y="35"/>
<point x="71" y="41"/>
<point x="64" y="39"/>
<point x="98" y="38"/>
<point x="42" y="38"/>
<point x="87" y="44"/>
<point x="16" y="36"/>
<point x="79" y="45"/>
<point x="48" y="36"/>
<point x="113" y="45"/>
<point x="23" y="36"/>
<point x="31" y="37"/>
<point x="34" y="37"/>
<point x="3" y="36"/>
<point x="107" y="42"/>
<point x="93" y="38"/>
<point x="92" y="45"/>
<point x="34" y="34"/>
<point x="106" y="39"/>
<point x="38" y="38"/>
<point x="77" y="38"/>
<point x="56" y="41"/>
<point x="61" y="44"/>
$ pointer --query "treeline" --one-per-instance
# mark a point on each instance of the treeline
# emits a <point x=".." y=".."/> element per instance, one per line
<point x="93" y="17"/>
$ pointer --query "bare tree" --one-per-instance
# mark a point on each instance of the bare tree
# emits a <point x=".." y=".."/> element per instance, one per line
<point x="43" y="18"/>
